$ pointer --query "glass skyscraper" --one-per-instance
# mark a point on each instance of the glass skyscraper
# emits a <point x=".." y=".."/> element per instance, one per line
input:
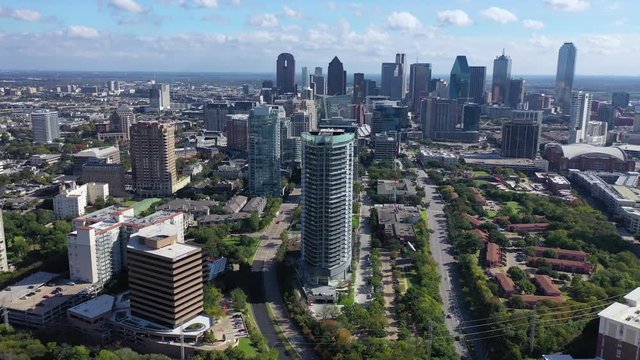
<point x="336" y="78"/>
<point x="264" y="150"/>
<point x="460" y="79"/>
<point x="564" y="76"/>
<point x="501" y="79"/>
<point x="285" y="73"/>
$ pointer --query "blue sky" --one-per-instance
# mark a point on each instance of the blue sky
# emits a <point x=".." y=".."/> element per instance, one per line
<point x="247" y="35"/>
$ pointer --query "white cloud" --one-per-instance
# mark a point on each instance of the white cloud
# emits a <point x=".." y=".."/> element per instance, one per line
<point x="499" y="15"/>
<point x="532" y="24"/>
<point x="81" y="31"/>
<point x="208" y="4"/>
<point x="403" y="21"/>
<point x="20" y="14"/>
<point x="126" y="5"/>
<point x="604" y="44"/>
<point x="568" y="5"/>
<point x="291" y="13"/>
<point x="264" y="20"/>
<point x="357" y="8"/>
<point x="331" y="5"/>
<point x="454" y="17"/>
<point x="542" y="42"/>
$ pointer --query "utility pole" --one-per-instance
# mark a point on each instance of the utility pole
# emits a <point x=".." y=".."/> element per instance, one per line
<point x="532" y="336"/>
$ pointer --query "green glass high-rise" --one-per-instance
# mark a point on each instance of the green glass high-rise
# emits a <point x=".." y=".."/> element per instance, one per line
<point x="460" y="79"/>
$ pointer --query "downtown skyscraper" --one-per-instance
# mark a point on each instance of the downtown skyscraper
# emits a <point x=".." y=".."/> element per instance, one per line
<point x="580" y="115"/>
<point x="460" y="79"/>
<point x="477" y="83"/>
<point x="564" y="77"/>
<point x="336" y="78"/>
<point x="285" y="73"/>
<point x="419" y="78"/>
<point x="327" y="199"/>
<point x="393" y="78"/>
<point x="501" y="79"/>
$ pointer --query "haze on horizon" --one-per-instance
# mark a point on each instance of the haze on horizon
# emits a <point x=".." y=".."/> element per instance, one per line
<point x="247" y="35"/>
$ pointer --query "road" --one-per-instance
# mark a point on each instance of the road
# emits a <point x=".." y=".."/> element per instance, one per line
<point x="450" y="290"/>
<point x="363" y="269"/>
<point x="264" y="271"/>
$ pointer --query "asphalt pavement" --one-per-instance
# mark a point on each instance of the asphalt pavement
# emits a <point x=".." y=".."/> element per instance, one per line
<point x="363" y="268"/>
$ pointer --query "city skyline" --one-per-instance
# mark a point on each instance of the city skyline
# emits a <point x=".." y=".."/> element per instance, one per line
<point x="134" y="35"/>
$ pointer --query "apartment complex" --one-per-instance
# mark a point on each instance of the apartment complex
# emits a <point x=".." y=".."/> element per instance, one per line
<point x="44" y="124"/>
<point x="153" y="158"/>
<point x="619" y="329"/>
<point x="327" y="197"/>
<point x="264" y="150"/>
<point x="97" y="246"/>
<point x="73" y="199"/>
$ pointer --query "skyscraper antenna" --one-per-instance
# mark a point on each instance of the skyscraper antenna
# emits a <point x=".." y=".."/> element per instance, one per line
<point x="502" y="51"/>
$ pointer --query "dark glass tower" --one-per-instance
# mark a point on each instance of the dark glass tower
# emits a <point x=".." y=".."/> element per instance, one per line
<point x="477" y="84"/>
<point x="419" y="78"/>
<point x="460" y="79"/>
<point x="564" y="76"/>
<point x="359" y="88"/>
<point x="285" y="73"/>
<point x="471" y="117"/>
<point x="336" y="78"/>
<point x="501" y="78"/>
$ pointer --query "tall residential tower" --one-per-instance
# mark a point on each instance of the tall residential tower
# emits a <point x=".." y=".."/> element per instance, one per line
<point x="264" y="150"/>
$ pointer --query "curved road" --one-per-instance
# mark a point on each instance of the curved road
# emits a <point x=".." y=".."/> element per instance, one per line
<point x="266" y="292"/>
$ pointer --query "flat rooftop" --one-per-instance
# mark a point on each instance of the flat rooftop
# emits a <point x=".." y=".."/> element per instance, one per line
<point x="125" y="318"/>
<point x="95" y="307"/>
<point x="174" y="251"/>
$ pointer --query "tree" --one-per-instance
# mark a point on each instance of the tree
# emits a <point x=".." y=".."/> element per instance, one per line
<point x="284" y="235"/>
<point x="212" y="300"/>
<point x="550" y="253"/>
<point x="517" y="274"/>
<point x="239" y="299"/>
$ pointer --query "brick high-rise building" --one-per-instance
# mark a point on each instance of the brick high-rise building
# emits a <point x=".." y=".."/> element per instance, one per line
<point x="237" y="132"/>
<point x="153" y="158"/>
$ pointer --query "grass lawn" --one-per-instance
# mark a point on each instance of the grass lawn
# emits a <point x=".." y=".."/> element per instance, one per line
<point x="247" y="348"/>
<point x="491" y="214"/>
<point x="481" y="173"/>
<point x="355" y="221"/>
<point x="143" y="205"/>
<point x="423" y="215"/>
<point x="478" y="183"/>
<point x="129" y="203"/>
<point x="233" y="240"/>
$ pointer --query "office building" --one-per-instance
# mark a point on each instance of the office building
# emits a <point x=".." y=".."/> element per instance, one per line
<point x="441" y="89"/>
<point x="44" y="124"/>
<point x="300" y="123"/>
<point x="596" y="133"/>
<point x="264" y="150"/>
<point x="237" y="132"/>
<point x="419" y="79"/>
<point x="385" y="147"/>
<point x="501" y="78"/>
<point x="620" y="99"/>
<point x="388" y="116"/>
<point x="564" y="77"/>
<point x="471" y="117"/>
<point x="318" y="82"/>
<point x="537" y="101"/>
<point x="110" y="155"/>
<point x="438" y="116"/>
<point x="73" y="199"/>
<point x="393" y="78"/>
<point x="608" y="113"/>
<point x="153" y="159"/>
<point x="165" y="277"/>
<point x="619" y="329"/>
<point x="4" y="261"/>
<point x="121" y="120"/>
<point x="459" y="79"/>
<point x="327" y="197"/>
<point x="516" y="93"/>
<point x="359" y="88"/>
<point x="371" y="88"/>
<point x="305" y="77"/>
<point x="285" y="73"/>
<point x="215" y="115"/>
<point x="159" y="97"/>
<point x="112" y="174"/>
<point x="580" y="115"/>
<point x="336" y="78"/>
<point x="477" y="83"/>
<point x="521" y="135"/>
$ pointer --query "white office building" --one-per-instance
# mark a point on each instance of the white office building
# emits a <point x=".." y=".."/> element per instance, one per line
<point x="580" y="115"/>
<point x="73" y="199"/>
<point x="159" y="97"/>
<point x="45" y="126"/>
